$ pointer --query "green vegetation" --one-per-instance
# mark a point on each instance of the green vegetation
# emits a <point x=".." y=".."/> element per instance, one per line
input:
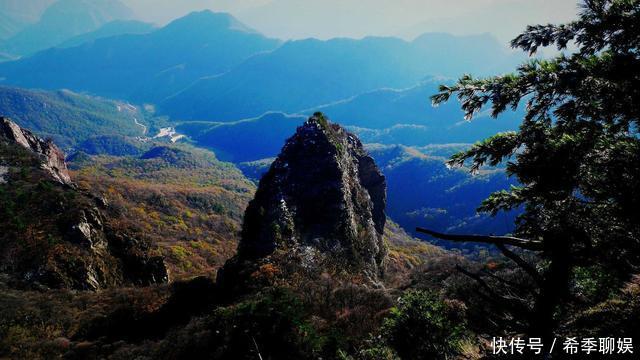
<point x="322" y="120"/>
<point x="275" y="325"/>
<point x="31" y="216"/>
<point x="71" y="118"/>
<point x="179" y="198"/>
<point x="569" y="268"/>
<point x="576" y="158"/>
<point x="116" y="145"/>
<point x="40" y="325"/>
<point x="422" y="326"/>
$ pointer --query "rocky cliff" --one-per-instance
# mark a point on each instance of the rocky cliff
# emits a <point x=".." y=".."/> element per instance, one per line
<point x="319" y="209"/>
<point x="53" y="234"/>
<point x="52" y="157"/>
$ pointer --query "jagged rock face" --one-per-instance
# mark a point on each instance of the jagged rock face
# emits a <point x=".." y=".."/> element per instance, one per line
<point x="52" y="156"/>
<point x="323" y="199"/>
<point x="56" y="235"/>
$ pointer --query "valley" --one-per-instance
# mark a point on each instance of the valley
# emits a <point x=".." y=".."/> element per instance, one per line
<point x="175" y="184"/>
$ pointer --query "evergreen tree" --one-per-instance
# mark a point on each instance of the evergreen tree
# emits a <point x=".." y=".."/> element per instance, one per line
<point x="576" y="154"/>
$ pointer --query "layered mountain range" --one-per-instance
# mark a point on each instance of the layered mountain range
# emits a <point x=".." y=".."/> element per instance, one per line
<point x="176" y="191"/>
<point x="96" y="126"/>
<point x="17" y="14"/>
<point x="144" y="67"/>
<point x="310" y="73"/>
<point x="223" y="84"/>
<point x="211" y="80"/>
<point x="62" y="20"/>
<point x="206" y="65"/>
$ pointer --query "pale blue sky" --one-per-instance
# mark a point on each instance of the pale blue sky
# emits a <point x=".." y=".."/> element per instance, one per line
<point x="294" y="19"/>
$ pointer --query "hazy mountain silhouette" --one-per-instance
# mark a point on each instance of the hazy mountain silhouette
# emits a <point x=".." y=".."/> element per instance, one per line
<point x="144" y="67"/>
<point x="309" y="73"/>
<point x="17" y="14"/>
<point x="114" y="28"/>
<point x="63" y="20"/>
<point x="407" y="117"/>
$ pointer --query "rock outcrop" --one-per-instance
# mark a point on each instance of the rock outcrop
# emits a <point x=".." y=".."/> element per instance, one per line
<point x="52" y="157"/>
<point x="319" y="208"/>
<point x="55" y="235"/>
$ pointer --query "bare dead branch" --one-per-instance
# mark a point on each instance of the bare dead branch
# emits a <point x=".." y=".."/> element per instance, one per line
<point x="515" y="303"/>
<point x="528" y="268"/>
<point x="486" y="239"/>
<point x="521" y="287"/>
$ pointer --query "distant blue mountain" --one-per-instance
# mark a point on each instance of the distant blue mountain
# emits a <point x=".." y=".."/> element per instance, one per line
<point x="423" y="191"/>
<point x="208" y="66"/>
<point x="65" y="19"/>
<point x="407" y="117"/>
<point x="309" y="73"/>
<point x="383" y="116"/>
<point x="15" y="15"/>
<point x="262" y="137"/>
<point x="144" y="67"/>
<point x="245" y="140"/>
<point x="114" y="28"/>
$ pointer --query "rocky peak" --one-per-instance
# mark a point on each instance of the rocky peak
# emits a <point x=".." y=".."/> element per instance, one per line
<point x="322" y="202"/>
<point x="60" y="236"/>
<point x="52" y="157"/>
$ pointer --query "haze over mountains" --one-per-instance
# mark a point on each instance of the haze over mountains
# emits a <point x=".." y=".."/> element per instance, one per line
<point x="296" y="19"/>
<point x="309" y="73"/>
<point x="209" y="66"/>
<point x="202" y="188"/>
<point x="17" y="14"/>
<point x="210" y="79"/>
<point x="113" y="28"/>
<point x="65" y="19"/>
<point x="145" y="67"/>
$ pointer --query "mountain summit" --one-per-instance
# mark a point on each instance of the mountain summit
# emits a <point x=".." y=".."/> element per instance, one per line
<point x="319" y="207"/>
<point x="144" y="67"/>
<point x="63" y="20"/>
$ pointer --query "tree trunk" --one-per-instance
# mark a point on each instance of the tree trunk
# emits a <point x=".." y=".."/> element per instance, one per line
<point x="554" y="289"/>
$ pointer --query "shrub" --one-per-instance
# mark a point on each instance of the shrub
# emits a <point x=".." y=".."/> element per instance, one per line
<point x="271" y="325"/>
<point x="422" y="326"/>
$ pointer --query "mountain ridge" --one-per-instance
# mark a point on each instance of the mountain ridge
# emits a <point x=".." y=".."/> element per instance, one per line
<point x="112" y="28"/>
<point x="304" y="74"/>
<point x="15" y="15"/>
<point x="63" y="20"/>
<point x="142" y="67"/>
<point x="70" y="118"/>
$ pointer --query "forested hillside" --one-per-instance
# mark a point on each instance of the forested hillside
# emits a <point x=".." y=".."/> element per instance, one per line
<point x="181" y="199"/>
<point x="70" y="118"/>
